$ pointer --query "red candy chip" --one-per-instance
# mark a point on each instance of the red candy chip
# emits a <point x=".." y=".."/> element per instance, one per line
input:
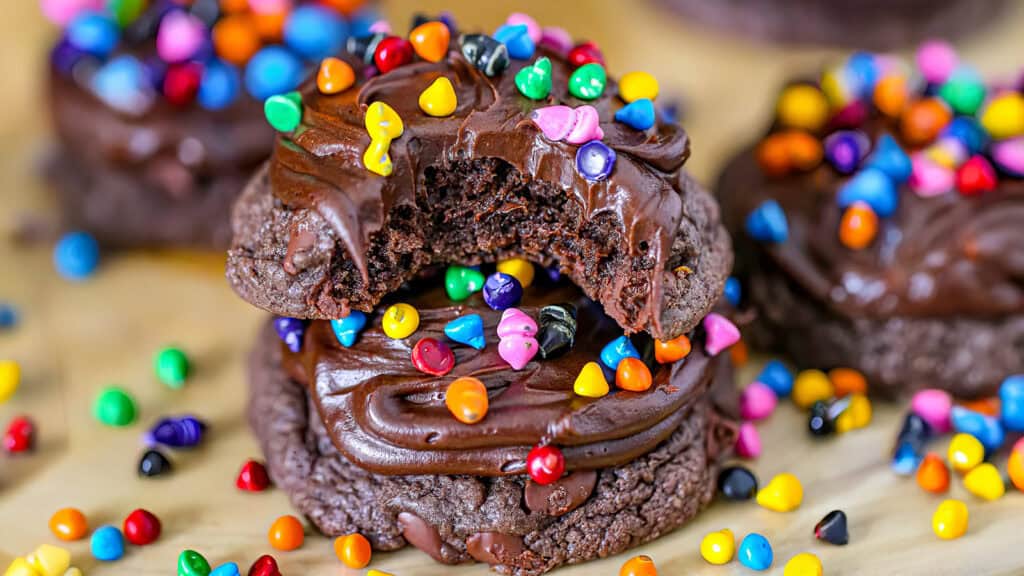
<point x="181" y="83"/>
<point x="585" y="53"/>
<point x="20" y="435"/>
<point x="252" y="477"/>
<point x="391" y="53"/>
<point x="545" y="464"/>
<point x="264" y="566"/>
<point x="141" y="527"/>
<point x="975" y="176"/>
<point x="432" y="356"/>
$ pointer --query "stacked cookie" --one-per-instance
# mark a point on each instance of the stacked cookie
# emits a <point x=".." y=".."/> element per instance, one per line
<point x="493" y="283"/>
<point x="878" y="224"/>
<point x="158" y="108"/>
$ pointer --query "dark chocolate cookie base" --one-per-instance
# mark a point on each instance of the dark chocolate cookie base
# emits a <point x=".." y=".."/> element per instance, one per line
<point x="871" y="24"/>
<point x="282" y="258"/>
<point x="969" y="357"/>
<point x="459" y="519"/>
<point x="125" y="209"/>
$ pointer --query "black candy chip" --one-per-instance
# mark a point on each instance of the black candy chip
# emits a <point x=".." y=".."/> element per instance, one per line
<point x="154" y="463"/>
<point x="485" y="53"/>
<point x="820" y="422"/>
<point x="737" y="483"/>
<point x="363" y="47"/>
<point x="832" y="528"/>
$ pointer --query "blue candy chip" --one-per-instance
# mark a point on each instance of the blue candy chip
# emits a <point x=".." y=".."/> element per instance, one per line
<point x="348" y="328"/>
<point x="94" y="33"/>
<point x="890" y="159"/>
<point x="986" y="429"/>
<point x="1011" y="400"/>
<point x="733" y="291"/>
<point x="767" y="223"/>
<point x="862" y="71"/>
<point x="76" y="256"/>
<point x="638" y="114"/>
<point x="616" y="350"/>
<point x="8" y="316"/>
<point x="123" y="85"/>
<point x="776" y="376"/>
<point x="873" y="187"/>
<point x="220" y="85"/>
<point x="969" y="132"/>
<point x="755" y="552"/>
<point x="315" y="32"/>
<point x="517" y="40"/>
<point x="271" y="71"/>
<point x="107" y="543"/>
<point x="228" y="569"/>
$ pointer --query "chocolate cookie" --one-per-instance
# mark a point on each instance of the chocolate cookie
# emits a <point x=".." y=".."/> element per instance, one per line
<point x="900" y="255"/>
<point x="317" y="234"/>
<point x="517" y="526"/>
<point x="158" y="111"/>
<point x="874" y="24"/>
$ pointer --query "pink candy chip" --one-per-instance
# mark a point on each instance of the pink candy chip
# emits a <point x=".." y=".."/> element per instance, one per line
<point x="748" y="441"/>
<point x="1008" y="155"/>
<point x="934" y="407"/>
<point x="518" y="350"/>
<point x="936" y="59"/>
<point x="380" y="27"/>
<point x="515" y="322"/>
<point x="62" y="12"/>
<point x="270" y="6"/>
<point x="929" y="179"/>
<point x="181" y="35"/>
<point x="556" y="38"/>
<point x="757" y="401"/>
<point x="575" y="126"/>
<point x="721" y="333"/>
<point x="532" y="28"/>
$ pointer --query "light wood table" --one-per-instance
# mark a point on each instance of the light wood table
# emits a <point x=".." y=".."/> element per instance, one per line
<point x="75" y="338"/>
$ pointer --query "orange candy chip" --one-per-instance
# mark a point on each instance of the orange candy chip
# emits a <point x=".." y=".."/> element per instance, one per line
<point x="69" y="524"/>
<point x="430" y="41"/>
<point x="466" y="399"/>
<point x="1015" y="465"/>
<point x="784" y="152"/>
<point x="633" y="375"/>
<point x="674" y="350"/>
<point x="859" y="226"/>
<point x="353" y="550"/>
<point x="235" y="38"/>
<point x="335" y="76"/>
<point x="270" y="25"/>
<point x="922" y="121"/>
<point x="891" y="95"/>
<point x="739" y="353"/>
<point x="286" y="533"/>
<point x="346" y="7"/>
<point x="933" y="474"/>
<point x="639" y="566"/>
<point x="988" y="406"/>
<point x="846" y="381"/>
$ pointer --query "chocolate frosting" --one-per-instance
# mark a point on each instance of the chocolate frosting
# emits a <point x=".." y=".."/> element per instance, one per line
<point x="389" y="418"/>
<point x="944" y="256"/>
<point x="319" y="166"/>
<point x="170" y="146"/>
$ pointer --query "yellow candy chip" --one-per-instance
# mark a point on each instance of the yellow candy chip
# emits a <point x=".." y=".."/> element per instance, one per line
<point x="950" y="520"/>
<point x="1004" y="116"/>
<point x="439" y="98"/>
<point x="985" y="482"/>
<point x="802" y="106"/>
<point x="636" y="85"/>
<point x="376" y="158"/>
<point x="965" y="452"/>
<point x="803" y="564"/>
<point x="10" y="376"/>
<point x="856" y="415"/>
<point x="21" y="567"/>
<point x="718" y="547"/>
<point x="49" y="560"/>
<point x="377" y="573"/>
<point x="400" y="321"/>
<point x="383" y="122"/>
<point x="811" y="386"/>
<point x="520" y="268"/>
<point x="782" y="494"/>
<point x="591" y="381"/>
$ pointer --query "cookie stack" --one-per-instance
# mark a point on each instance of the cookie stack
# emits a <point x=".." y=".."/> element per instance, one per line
<point x="158" y="108"/>
<point x="494" y="288"/>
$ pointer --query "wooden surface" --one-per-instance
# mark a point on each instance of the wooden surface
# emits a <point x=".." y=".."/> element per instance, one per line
<point x="75" y="338"/>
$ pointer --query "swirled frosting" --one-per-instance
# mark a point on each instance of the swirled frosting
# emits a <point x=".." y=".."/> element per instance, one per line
<point x="387" y="417"/>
